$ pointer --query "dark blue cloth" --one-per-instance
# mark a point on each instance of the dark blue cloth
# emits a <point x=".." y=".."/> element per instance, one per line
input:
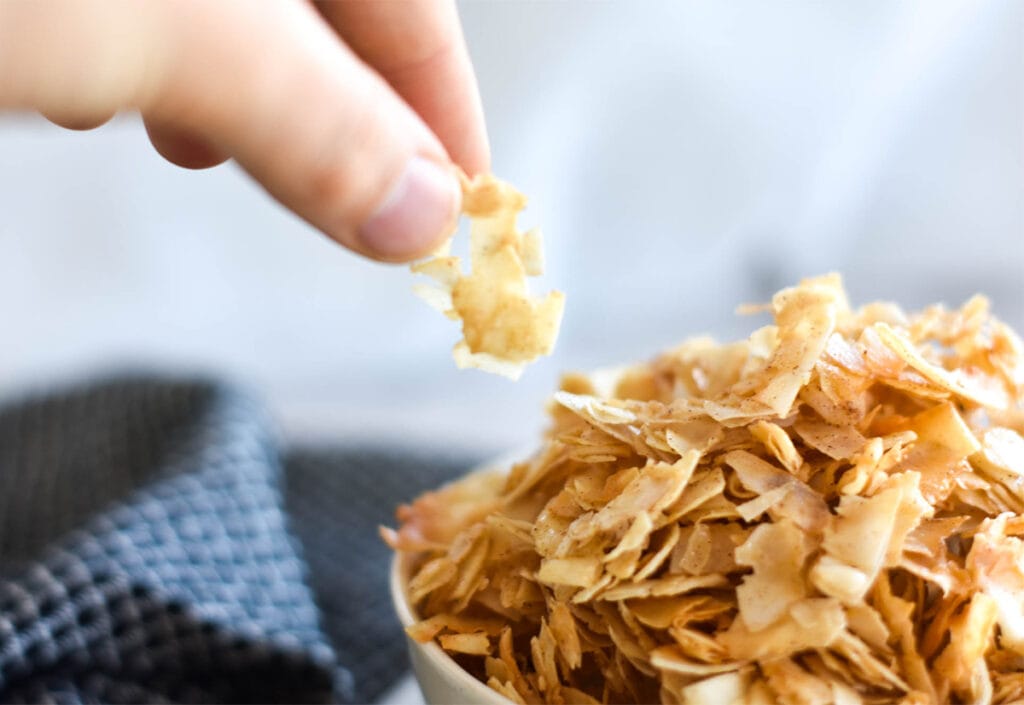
<point x="157" y="544"/>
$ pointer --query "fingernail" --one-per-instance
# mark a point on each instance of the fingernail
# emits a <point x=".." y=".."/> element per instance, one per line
<point x="419" y="210"/>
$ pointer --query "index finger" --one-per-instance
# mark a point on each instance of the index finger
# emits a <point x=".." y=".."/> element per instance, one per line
<point x="417" y="46"/>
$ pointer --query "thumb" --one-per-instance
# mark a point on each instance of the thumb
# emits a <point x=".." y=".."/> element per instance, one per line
<point x="325" y="135"/>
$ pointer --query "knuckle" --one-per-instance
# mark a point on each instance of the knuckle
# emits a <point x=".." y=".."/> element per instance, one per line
<point x="349" y="175"/>
<point x="330" y="183"/>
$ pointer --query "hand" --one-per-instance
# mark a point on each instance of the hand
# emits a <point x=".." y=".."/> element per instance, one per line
<point x="348" y="112"/>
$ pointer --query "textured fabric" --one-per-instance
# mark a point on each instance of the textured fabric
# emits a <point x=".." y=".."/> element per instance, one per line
<point x="148" y="553"/>
<point x="337" y="499"/>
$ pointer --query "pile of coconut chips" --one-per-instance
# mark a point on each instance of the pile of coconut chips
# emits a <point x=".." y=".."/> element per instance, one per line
<point x="828" y="512"/>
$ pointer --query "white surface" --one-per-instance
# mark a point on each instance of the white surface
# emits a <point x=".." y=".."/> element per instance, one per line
<point x="405" y="692"/>
<point x="681" y="157"/>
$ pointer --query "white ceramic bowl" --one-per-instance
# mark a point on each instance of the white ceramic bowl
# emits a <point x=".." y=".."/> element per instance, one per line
<point x="442" y="680"/>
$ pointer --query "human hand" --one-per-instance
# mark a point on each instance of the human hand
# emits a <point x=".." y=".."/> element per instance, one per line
<point x="350" y="112"/>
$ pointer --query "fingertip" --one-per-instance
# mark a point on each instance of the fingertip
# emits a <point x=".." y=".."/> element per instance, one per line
<point x="78" y="122"/>
<point x="182" y="148"/>
<point x="418" y="212"/>
<point x="476" y="159"/>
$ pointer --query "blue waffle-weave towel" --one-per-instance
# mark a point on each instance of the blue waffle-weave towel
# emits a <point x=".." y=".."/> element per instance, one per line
<point x="159" y="544"/>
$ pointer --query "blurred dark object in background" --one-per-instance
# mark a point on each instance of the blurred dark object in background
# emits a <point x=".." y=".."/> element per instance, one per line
<point x="148" y="553"/>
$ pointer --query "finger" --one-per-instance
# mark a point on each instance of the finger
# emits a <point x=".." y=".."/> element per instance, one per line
<point x="78" y="122"/>
<point x="76" y="61"/>
<point x="181" y="148"/>
<point x="323" y="133"/>
<point x="418" y="47"/>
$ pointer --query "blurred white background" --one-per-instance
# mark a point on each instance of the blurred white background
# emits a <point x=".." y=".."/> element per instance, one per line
<point x="681" y="158"/>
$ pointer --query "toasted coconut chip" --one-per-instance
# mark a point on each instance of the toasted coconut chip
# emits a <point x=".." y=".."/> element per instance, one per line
<point x="1008" y="687"/>
<point x="779" y="444"/>
<point x="427" y="629"/>
<point x="912" y="510"/>
<point x="634" y="539"/>
<point x="801" y="504"/>
<point x="649" y="491"/>
<point x="715" y="508"/>
<point x="761" y="503"/>
<point x="845" y="695"/>
<point x="596" y="411"/>
<point x="663" y="587"/>
<point x="616" y="418"/>
<point x="506" y="689"/>
<point x="758" y="693"/>
<point x="515" y="528"/>
<point x="713" y="608"/>
<point x="829" y="511"/>
<point x="433" y="575"/>
<point x="970" y="387"/>
<point x="971" y="635"/>
<point x="497" y="669"/>
<point x="805" y="316"/>
<point x="698" y="434"/>
<point x="838" y="442"/>
<point x="507" y="655"/>
<point x="587" y="594"/>
<point x="674" y="659"/>
<point x="503" y="327"/>
<point x="708" y="547"/>
<point x="795" y="686"/>
<point x="697" y="644"/>
<point x="633" y="647"/>
<point x="1002" y="455"/>
<point x="864" y="621"/>
<point x="435" y="518"/>
<point x="836" y="579"/>
<point x="898" y="615"/>
<point x="702" y="369"/>
<point x="578" y="572"/>
<point x="860" y="535"/>
<point x="727" y="689"/>
<point x="996" y="564"/>
<point x="477" y="644"/>
<point x="563" y="627"/>
<point x="943" y="443"/>
<point x="543" y="650"/>
<point x="867" y="665"/>
<point x="812" y="624"/>
<point x="929" y="536"/>
<point x="469" y="565"/>
<point x="847" y="354"/>
<point x="656" y="557"/>
<point x="866" y="464"/>
<point x="829" y="665"/>
<point x="831" y="411"/>
<point x="777" y="553"/>
<point x="703" y="489"/>
<point x="658" y="612"/>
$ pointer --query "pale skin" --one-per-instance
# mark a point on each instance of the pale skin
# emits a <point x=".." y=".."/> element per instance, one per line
<point x="352" y="113"/>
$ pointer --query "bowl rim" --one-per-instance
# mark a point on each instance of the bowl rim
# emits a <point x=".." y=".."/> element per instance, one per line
<point x="431" y="650"/>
